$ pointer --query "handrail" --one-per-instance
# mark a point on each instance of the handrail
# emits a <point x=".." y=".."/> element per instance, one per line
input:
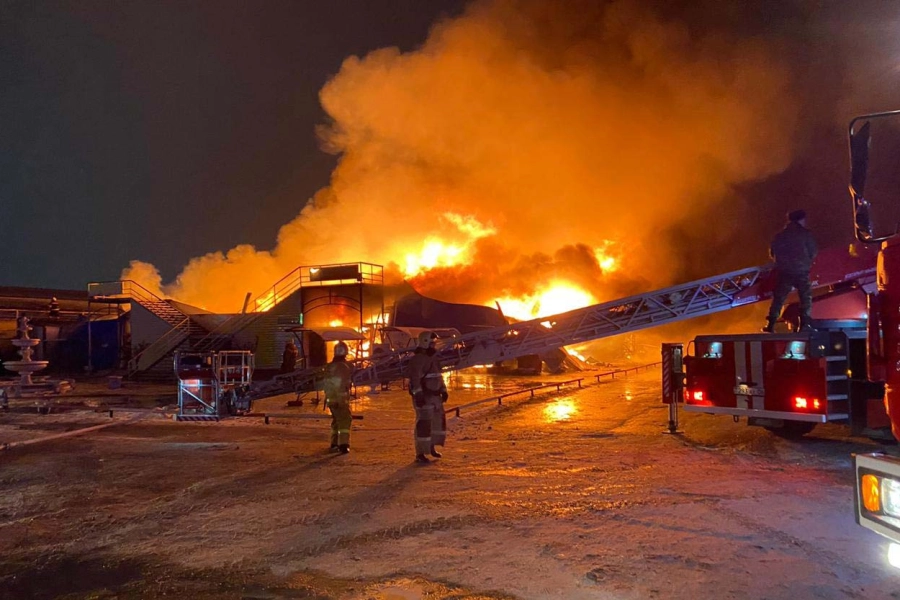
<point x="613" y="374"/>
<point x="179" y="332"/>
<point x="262" y="302"/>
<point x="557" y="384"/>
<point x="126" y="286"/>
<point x="259" y="304"/>
<point x="499" y="399"/>
<point x="366" y="273"/>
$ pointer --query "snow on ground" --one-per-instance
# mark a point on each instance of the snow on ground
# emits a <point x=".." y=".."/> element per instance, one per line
<point x="571" y="494"/>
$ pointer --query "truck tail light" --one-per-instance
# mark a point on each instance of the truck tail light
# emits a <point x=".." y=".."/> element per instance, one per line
<point x="697" y="395"/>
<point x="803" y="403"/>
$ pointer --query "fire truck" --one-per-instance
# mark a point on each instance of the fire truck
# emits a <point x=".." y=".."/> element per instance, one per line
<point x="846" y="371"/>
<point x="788" y="382"/>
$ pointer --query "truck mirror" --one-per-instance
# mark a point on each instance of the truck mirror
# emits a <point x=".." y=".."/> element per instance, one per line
<point x="869" y="173"/>
<point x="859" y="166"/>
<point x="863" y="221"/>
<point x="859" y="158"/>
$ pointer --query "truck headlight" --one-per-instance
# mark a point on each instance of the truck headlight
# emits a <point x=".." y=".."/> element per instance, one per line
<point x="877" y="497"/>
<point x="890" y="496"/>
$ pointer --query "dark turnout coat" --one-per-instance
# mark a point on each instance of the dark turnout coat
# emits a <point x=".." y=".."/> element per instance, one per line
<point x="793" y="249"/>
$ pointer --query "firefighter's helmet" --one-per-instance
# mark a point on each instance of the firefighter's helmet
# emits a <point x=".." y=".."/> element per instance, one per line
<point x="426" y="339"/>
<point x="340" y="349"/>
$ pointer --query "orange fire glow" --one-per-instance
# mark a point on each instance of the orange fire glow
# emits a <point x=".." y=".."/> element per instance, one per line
<point x="558" y="297"/>
<point x="608" y="263"/>
<point x="436" y="252"/>
<point x="266" y="303"/>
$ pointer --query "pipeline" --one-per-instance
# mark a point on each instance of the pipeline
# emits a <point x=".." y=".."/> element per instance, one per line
<point x="57" y="436"/>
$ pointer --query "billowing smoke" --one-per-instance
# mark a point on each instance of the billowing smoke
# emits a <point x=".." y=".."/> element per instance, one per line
<point x="558" y="127"/>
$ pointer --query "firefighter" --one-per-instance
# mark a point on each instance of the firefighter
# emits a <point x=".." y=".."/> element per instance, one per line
<point x="426" y="386"/>
<point x="793" y="249"/>
<point x="289" y="358"/>
<point x="338" y="374"/>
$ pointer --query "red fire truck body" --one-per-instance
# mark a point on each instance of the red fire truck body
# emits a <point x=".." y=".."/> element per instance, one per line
<point x="787" y="382"/>
<point x="766" y="376"/>
<point x="877" y="482"/>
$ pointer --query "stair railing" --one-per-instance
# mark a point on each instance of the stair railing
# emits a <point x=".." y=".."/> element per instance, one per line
<point x="262" y="303"/>
<point x="122" y="287"/>
<point x="150" y="355"/>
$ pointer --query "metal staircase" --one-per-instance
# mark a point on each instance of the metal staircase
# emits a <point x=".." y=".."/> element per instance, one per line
<point x="676" y="303"/>
<point x="222" y="334"/>
<point x="181" y="325"/>
<point x="135" y="291"/>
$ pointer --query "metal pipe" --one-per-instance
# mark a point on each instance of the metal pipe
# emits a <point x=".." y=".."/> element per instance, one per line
<point x="57" y="436"/>
<point x="268" y="416"/>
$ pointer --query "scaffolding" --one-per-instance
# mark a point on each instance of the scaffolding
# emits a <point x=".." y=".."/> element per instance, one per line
<point x="211" y="384"/>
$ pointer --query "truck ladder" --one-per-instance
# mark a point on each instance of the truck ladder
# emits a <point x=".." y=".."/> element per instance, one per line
<point x="624" y="315"/>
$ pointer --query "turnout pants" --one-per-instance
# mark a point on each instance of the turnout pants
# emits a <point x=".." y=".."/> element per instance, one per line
<point x="431" y="423"/>
<point x="785" y="283"/>
<point x="341" y="419"/>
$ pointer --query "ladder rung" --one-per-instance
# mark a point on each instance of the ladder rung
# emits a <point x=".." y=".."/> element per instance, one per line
<point x="836" y="378"/>
<point x="837" y="397"/>
<point x="835" y="358"/>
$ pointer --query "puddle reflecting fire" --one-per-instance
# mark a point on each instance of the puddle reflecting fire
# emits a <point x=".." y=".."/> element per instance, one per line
<point x="560" y="410"/>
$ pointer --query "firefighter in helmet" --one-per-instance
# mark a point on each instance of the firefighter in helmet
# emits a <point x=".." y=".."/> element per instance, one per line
<point x="427" y="388"/>
<point x="338" y="374"/>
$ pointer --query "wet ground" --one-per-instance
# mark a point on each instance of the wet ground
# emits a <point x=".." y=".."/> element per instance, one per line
<point x="574" y="493"/>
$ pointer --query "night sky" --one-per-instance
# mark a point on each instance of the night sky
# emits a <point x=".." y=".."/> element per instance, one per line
<point x="162" y="131"/>
<point x="165" y="130"/>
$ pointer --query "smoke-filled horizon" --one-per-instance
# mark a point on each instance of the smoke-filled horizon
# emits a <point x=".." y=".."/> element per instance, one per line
<point x="534" y="139"/>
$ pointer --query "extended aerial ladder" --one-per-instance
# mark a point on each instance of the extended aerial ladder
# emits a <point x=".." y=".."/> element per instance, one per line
<point x="834" y="268"/>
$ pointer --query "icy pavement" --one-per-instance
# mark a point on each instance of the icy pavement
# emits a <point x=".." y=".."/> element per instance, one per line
<point x="571" y="495"/>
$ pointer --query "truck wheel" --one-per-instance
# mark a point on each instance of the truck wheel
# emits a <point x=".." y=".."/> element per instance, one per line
<point x="793" y="429"/>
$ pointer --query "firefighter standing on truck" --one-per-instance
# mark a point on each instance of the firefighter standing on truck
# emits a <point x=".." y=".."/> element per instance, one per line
<point x="338" y="374"/>
<point x="793" y="250"/>
<point x="427" y="388"/>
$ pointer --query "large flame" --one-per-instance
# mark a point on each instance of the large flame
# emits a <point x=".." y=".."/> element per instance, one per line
<point x="558" y="297"/>
<point x="435" y="252"/>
